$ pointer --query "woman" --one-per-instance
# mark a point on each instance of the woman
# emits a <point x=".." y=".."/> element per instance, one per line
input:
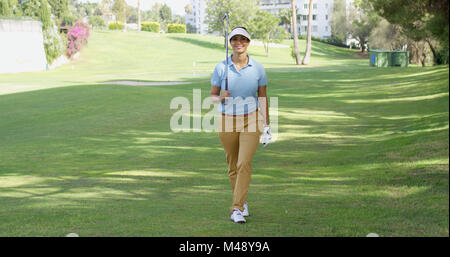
<point x="241" y="124"/>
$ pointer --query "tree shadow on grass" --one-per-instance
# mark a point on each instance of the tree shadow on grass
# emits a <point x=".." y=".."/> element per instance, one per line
<point x="114" y="162"/>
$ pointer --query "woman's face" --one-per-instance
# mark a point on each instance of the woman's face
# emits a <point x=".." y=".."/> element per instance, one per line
<point x="239" y="44"/>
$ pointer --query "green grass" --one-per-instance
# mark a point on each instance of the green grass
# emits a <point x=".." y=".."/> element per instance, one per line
<point x="359" y="150"/>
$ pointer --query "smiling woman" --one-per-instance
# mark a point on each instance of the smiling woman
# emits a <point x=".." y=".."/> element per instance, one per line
<point x="234" y="84"/>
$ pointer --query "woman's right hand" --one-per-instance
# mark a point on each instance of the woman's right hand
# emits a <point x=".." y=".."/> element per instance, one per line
<point x="224" y="94"/>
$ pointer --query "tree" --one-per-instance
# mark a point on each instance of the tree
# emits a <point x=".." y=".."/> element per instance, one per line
<point x="5" y="8"/>
<point x="188" y="9"/>
<point x="139" y="14"/>
<point x="10" y="8"/>
<point x="387" y="36"/>
<point x="31" y="8"/>
<point x="120" y="9"/>
<point x="154" y="14"/>
<point x="165" y="13"/>
<point x="96" y="22"/>
<point x="60" y="8"/>
<point x="285" y="15"/>
<point x="105" y="7"/>
<point x="363" y="19"/>
<point x="178" y="19"/>
<point x="190" y="28"/>
<point x="131" y="14"/>
<point x="264" y="26"/>
<point x="295" y="32"/>
<point x="420" y="20"/>
<point x="240" y="13"/>
<point x="339" y="23"/>
<point x="307" y="56"/>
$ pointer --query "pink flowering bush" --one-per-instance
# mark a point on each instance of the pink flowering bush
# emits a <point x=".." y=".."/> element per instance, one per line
<point x="77" y="37"/>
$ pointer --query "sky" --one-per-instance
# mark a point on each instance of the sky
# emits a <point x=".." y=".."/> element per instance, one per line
<point x="177" y="6"/>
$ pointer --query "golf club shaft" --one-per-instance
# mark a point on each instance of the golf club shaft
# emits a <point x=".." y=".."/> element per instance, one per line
<point x="226" y="57"/>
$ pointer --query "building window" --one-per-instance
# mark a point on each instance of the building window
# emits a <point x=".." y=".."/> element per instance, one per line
<point x="305" y="17"/>
<point x="326" y="5"/>
<point x="314" y="28"/>
<point x="305" y="28"/>
<point x="314" y="6"/>
<point x="305" y="6"/>
<point x="314" y="17"/>
<point x="326" y="16"/>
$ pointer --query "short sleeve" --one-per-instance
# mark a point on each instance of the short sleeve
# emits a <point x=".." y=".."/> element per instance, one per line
<point x="262" y="81"/>
<point x="216" y="76"/>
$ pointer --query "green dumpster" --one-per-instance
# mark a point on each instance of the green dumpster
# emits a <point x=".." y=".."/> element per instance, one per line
<point x="399" y="58"/>
<point x="382" y="58"/>
<point x="379" y="58"/>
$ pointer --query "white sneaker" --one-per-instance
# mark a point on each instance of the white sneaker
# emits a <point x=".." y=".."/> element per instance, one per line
<point x="245" y="212"/>
<point x="237" y="216"/>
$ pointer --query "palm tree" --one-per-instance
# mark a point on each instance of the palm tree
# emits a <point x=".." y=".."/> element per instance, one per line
<point x="139" y="15"/>
<point x="294" y="32"/>
<point x="286" y="17"/>
<point x="305" y="60"/>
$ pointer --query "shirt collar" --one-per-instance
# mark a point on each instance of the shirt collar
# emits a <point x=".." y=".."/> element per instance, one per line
<point x="250" y="61"/>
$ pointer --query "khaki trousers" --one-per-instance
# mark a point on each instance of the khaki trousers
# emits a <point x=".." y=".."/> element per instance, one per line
<point x="239" y="136"/>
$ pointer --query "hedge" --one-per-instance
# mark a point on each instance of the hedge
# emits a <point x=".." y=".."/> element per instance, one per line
<point x="176" y="28"/>
<point x="150" y="26"/>
<point x="115" y="25"/>
<point x="329" y="41"/>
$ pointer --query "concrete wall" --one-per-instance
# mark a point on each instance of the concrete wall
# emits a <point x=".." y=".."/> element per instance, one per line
<point x="21" y="46"/>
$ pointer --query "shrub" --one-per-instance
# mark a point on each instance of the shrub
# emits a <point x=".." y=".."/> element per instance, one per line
<point x="5" y="8"/>
<point x="53" y="43"/>
<point x="176" y="28"/>
<point x="329" y="41"/>
<point x="150" y="26"/>
<point x="115" y="25"/>
<point x="77" y="38"/>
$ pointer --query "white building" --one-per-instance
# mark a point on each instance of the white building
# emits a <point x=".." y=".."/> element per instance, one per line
<point x="198" y="16"/>
<point x="321" y="15"/>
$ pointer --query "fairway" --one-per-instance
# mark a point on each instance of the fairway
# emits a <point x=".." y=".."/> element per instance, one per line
<point x="359" y="150"/>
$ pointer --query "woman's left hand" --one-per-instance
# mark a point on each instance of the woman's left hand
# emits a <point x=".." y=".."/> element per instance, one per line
<point x="266" y="136"/>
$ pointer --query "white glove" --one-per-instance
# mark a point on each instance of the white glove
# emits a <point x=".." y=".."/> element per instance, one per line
<point x="266" y="136"/>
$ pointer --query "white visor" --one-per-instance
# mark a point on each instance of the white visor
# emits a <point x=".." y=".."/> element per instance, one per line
<point x="239" y="31"/>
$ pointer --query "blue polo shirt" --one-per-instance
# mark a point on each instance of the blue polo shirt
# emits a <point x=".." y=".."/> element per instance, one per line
<point x="242" y="84"/>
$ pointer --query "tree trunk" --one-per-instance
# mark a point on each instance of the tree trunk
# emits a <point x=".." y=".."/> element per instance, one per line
<point x="308" y="40"/>
<point x="433" y="50"/>
<point x="139" y="14"/>
<point x="266" y="48"/>
<point x="424" y="58"/>
<point x="294" y="32"/>
<point x="124" y="18"/>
